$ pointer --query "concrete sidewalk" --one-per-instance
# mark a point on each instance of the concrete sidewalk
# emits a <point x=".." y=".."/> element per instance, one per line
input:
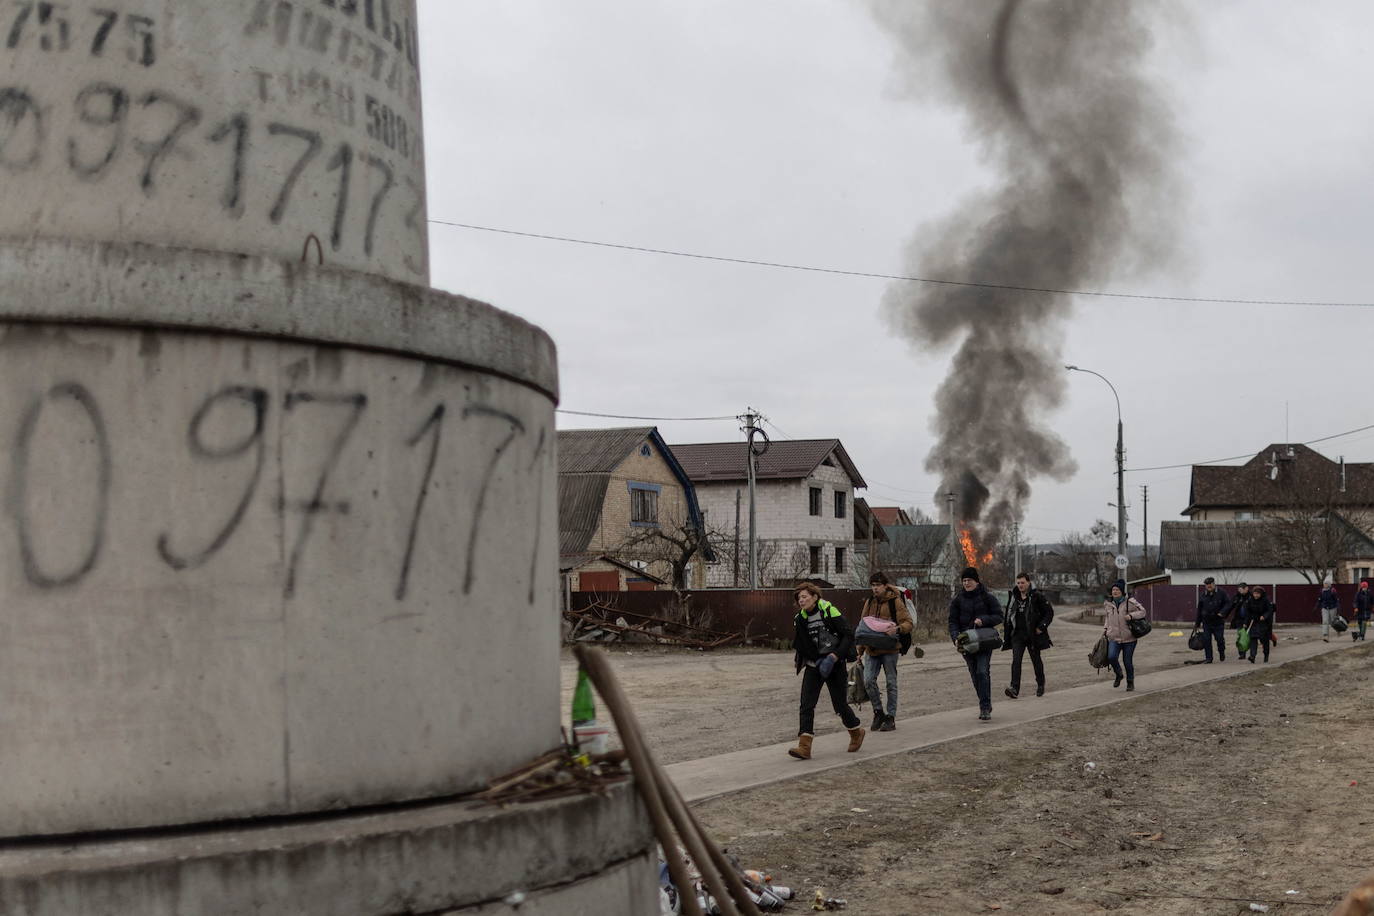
<point x="710" y="777"/>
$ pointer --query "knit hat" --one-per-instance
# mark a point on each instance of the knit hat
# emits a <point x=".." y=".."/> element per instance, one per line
<point x="969" y="573"/>
<point x="1209" y="581"/>
<point x="1121" y="584"/>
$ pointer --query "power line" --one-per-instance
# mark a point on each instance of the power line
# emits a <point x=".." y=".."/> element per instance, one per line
<point x="1169" y="467"/>
<point x="1009" y="287"/>
<point x="621" y="416"/>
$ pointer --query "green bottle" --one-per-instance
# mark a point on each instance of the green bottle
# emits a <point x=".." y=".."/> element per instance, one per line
<point x="583" y="706"/>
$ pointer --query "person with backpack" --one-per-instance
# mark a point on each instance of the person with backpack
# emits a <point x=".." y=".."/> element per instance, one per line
<point x="1259" y="616"/>
<point x="974" y="607"/>
<point x="822" y="642"/>
<point x="1026" y="628"/>
<point x="1120" y="640"/>
<point x="1212" y="608"/>
<point x="1364" y="602"/>
<point x="886" y="603"/>
<point x="1329" y="603"/>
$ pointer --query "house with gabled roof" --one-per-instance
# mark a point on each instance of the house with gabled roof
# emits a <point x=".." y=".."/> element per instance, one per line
<point x="804" y="506"/>
<point x="624" y="503"/>
<point x="1274" y="518"/>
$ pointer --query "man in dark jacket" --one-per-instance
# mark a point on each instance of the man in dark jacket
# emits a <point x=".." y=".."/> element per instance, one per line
<point x="1027" y="628"/>
<point x="974" y="608"/>
<point x="1212" y="608"/>
<point x="1259" y="614"/>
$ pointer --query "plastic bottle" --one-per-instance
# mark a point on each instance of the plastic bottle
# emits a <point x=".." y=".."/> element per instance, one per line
<point x="587" y="732"/>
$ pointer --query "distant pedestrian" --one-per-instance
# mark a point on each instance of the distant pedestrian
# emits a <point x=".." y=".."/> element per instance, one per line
<point x="1120" y="639"/>
<point x="822" y="642"/>
<point x="1329" y="603"/>
<point x="1027" y="623"/>
<point x="973" y="608"/>
<point x="1236" y="612"/>
<point x="1212" y="607"/>
<point x="1364" y="603"/>
<point x="887" y="603"/>
<point x="1259" y="615"/>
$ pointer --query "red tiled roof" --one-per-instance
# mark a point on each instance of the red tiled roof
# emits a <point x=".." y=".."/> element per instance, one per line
<point x="890" y="515"/>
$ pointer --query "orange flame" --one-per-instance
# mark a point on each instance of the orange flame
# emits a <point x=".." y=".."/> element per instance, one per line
<point x="971" y="549"/>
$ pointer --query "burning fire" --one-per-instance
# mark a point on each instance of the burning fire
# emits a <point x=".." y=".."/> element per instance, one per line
<point x="971" y="549"/>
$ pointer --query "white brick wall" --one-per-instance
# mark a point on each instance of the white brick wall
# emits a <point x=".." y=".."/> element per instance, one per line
<point x="782" y="514"/>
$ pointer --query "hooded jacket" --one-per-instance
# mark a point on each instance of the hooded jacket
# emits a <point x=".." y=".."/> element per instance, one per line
<point x="1114" y="620"/>
<point x="889" y="605"/>
<point x="965" y="607"/>
<point x="804" y="648"/>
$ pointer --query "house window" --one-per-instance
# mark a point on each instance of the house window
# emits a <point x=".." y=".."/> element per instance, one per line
<point x="839" y="504"/>
<point x="1247" y="516"/>
<point x="1358" y="573"/>
<point x="815" y="500"/>
<point x="815" y="559"/>
<point x="644" y="504"/>
<point x="646" y="451"/>
<point x="839" y="558"/>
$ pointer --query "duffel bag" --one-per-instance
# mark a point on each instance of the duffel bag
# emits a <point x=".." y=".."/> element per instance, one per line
<point x="982" y="639"/>
<point x="1339" y="624"/>
<point x="1197" y="641"/>
<point x="865" y="635"/>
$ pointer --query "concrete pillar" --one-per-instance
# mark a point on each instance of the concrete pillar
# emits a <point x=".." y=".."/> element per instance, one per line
<point x="278" y="541"/>
<point x="245" y="126"/>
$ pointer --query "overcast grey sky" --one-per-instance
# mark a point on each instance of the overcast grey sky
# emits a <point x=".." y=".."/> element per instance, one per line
<point x="780" y="130"/>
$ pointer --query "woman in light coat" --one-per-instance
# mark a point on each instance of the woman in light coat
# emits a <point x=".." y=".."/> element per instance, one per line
<point x="1120" y="641"/>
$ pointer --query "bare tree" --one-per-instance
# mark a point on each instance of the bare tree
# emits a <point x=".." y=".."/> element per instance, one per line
<point x="1314" y="524"/>
<point x="670" y="546"/>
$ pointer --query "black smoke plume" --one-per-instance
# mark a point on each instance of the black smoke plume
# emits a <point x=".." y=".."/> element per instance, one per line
<point x="1054" y="93"/>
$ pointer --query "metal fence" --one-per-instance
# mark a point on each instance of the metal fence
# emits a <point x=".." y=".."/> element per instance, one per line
<point x="764" y="613"/>
<point x="1293" y="603"/>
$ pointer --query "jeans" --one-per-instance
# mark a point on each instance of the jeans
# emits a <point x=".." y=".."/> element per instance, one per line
<point x="1125" y="650"/>
<point x="1328" y="614"/>
<point x="1363" y="623"/>
<point x="980" y="673"/>
<point x="1018" y="649"/>
<point x="888" y="664"/>
<point x="838" y="685"/>
<point x="1215" y="630"/>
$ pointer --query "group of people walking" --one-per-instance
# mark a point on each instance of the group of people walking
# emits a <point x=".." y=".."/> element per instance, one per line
<point x="1249" y="608"/>
<point x="823" y="642"/>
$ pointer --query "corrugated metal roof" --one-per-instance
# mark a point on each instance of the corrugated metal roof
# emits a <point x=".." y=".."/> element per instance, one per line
<point x="580" y="498"/>
<point x="597" y="451"/>
<point x="707" y="462"/>
<point x="1235" y="545"/>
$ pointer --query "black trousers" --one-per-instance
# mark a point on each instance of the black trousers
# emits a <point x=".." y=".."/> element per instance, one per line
<point x="1215" y="630"/>
<point x="1019" y="648"/>
<point x="838" y="685"/>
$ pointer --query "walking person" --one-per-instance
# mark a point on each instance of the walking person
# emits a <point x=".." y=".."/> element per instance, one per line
<point x="1029" y="614"/>
<point x="1120" y="639"/>
<point x="1364" y="602"/>
<point x="1236" y="612"/>
<point x="973" y="608"/>
<point x="822" y="642"/>
<point x="1212" y="607"/>
<point x="887" y="603"/>
<point x="1329" y="603"/>
<point x="1259" y="614"/>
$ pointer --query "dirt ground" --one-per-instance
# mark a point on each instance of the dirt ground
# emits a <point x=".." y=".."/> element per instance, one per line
<point x="1197" y="801"/>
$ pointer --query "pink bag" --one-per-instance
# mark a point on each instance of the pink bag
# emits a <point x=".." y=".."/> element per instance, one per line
<point x="881" y="625"/>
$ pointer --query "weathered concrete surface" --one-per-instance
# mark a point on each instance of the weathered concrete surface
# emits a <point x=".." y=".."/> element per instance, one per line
<point x="569" y="856"/>
<point x="242" y="126"/>
<point x="244" y="577"/>
<point x="150" y="286"/>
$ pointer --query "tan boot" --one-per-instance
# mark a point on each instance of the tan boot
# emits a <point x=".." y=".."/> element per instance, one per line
<point x="803" y="749"/>
<point x="856" y="738"/>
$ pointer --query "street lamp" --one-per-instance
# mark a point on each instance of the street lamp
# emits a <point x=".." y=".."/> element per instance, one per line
<point x="1120" y="464"/>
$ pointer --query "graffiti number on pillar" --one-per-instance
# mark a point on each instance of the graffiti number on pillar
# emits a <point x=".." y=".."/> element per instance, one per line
<point x="184" y="117"/>
<point x="256" y="400"/>
<point x="388" y="182"/>
<point x="102" y="107"/>
<point x="21" y="130"/>
<point x="516" y="427"/>
<point x="33" y="571"/>
<point x="435" y="422"/>
<point x="343" y="161"/>
<point x="316" y="504"/>
<point x="312" y="149"/>
<point x="236" y="127"/>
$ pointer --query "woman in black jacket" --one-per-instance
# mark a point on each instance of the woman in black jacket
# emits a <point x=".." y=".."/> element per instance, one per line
<point x="971" y="609"/>
<point x="822" y="642"/>
<point x="1259" y="615"/>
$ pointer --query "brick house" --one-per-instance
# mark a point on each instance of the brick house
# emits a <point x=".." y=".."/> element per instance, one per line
<point x="1283" y="514"/>
<point x="621" y="492"/>
<point x="804" y="499"/>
